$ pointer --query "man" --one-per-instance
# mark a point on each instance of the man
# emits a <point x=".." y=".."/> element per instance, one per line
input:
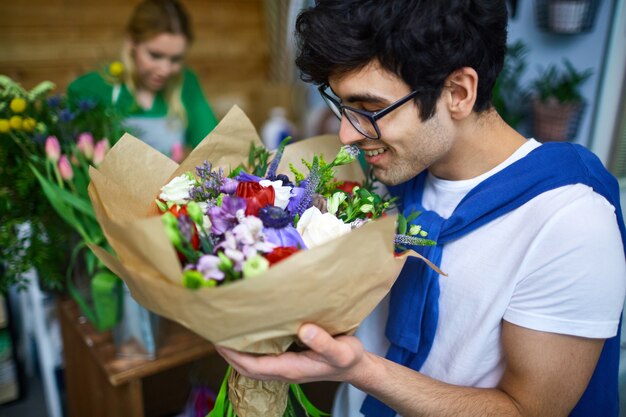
<point x="528" y="234"/>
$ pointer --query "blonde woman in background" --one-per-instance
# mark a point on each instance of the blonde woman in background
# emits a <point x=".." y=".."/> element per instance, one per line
<point x="161" y="99"/>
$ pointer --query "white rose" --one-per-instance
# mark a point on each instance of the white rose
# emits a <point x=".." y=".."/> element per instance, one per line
<point x="177" y="190"/>
<point x="281" y="193"/>
<point x="317" y="228"/>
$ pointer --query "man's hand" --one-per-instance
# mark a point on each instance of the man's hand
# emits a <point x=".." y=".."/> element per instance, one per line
<point x="329" y="359"/>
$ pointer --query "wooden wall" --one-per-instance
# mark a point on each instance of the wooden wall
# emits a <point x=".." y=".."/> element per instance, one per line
<point x="59" y="39"/>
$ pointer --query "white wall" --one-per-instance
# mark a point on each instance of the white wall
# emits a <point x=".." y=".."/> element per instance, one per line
<point x="584" y="50"/>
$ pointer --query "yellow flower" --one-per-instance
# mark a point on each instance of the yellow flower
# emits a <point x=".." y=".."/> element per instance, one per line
<point x="116" y="69"/>
<point x="4" y="126"/>
<point x="18" y="105"/>
<point x="29" y="124"/>
<point x="16" y="122"/>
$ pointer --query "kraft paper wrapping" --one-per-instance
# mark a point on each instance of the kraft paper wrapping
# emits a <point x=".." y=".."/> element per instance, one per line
<point x="334" y="286"/>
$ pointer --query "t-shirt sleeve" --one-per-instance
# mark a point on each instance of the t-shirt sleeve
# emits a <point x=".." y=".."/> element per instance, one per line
<point x="574" y="274"/>
<point x="200" y="117"/>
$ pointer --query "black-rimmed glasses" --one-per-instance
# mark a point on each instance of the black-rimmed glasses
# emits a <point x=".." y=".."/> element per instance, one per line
<point x="362" y="120"/>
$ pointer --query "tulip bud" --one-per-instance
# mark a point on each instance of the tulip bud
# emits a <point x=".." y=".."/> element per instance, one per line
<point x="85" y="144"/>
<point x="178" y="153"/>
<point x="65" y="168"/>
<point x="53" y="148"/>
<point x="102" y="147"/>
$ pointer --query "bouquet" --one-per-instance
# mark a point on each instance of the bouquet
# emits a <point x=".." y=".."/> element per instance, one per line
<point x="53" y="140"/>
<point x="334" y="284"/>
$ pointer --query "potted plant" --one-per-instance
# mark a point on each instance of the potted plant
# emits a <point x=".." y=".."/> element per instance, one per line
<point x="557" y="102"/>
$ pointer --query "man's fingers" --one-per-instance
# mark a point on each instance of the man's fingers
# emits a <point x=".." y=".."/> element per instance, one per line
<point x="336" y="352"/>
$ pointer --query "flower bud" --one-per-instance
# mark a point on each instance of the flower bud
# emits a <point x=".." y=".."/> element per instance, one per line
<point x="85" y="144"/>
<point x="116" y="69"/>
<point x="16" y="122"/>
<point x="254" y="266"/>
<point x="100" y="150"/>
<point x="178" y="153"/>
<point x="346" y="155"/>
<point x="65" y="168"/>
<point x="53" y="148"/>
<point x="195" y="212"/>
<point x="192" y="279"/>
<point x="29" y="124"/>
<point x="18" y="105"/>
<point x="169" y="219"/>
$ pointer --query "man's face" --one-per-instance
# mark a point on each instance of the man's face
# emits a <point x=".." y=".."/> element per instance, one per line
<point x="159" y="59"/>
<point x="407" y="145"/>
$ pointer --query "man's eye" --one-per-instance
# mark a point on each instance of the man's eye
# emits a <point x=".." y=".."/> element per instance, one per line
<point x="155" y="55"/>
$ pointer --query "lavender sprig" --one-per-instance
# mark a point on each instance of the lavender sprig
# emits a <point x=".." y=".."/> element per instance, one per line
<point x="271" y="172"/>
<point x="311" y="185"/>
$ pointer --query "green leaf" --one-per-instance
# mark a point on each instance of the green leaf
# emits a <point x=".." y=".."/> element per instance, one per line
<point x="62" y="209"/>
<point x="221" y="401"/>
<point x="308" y="407"/>
<point x="402" y="224"/>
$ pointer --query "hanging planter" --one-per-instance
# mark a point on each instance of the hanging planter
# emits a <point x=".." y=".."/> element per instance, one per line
<point x="566" y="16"/>
<point x="555" y="121"/>
<point x="557" y="103"/>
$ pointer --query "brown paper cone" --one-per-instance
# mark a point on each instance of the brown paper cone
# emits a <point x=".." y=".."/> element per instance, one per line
<point x="334" y="286"/>
<point x="253" y="398"/>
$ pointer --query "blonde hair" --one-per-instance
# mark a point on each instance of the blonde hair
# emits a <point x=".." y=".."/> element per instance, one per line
<point x="149" y="19"/>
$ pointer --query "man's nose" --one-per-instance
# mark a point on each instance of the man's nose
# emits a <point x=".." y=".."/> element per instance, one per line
<point x="348" y="135"/>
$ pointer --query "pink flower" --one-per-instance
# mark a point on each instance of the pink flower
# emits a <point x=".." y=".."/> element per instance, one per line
<point x="65" y="168"/>
<point x="85" y="144"/>
<point x="102" y="147"/>
<point x="177" y="152"/>
<point x="53" y="148"/>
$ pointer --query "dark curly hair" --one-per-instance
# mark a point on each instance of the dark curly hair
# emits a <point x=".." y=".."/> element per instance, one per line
<point x="421" y="41"/>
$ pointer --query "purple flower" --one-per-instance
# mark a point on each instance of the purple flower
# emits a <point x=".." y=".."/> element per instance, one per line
<point x="208" y="266"/>
<point x="66" y="116"/>
<point x="54" y="101"/>
<point x="274" y="217"/>
<point x="297" y="195"/>
<point x="229" y="186"/>
<point x="225" y="217"/>
<point x="286" y="236"/>
<point x="245" y="177"/>
<point x="86" y="104"/>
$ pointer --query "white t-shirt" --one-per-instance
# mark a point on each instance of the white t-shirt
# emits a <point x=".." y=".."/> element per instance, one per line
<point x="556" y="264"/>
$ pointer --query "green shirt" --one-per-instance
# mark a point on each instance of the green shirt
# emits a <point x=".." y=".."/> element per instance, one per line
<point x="200" y="117"/>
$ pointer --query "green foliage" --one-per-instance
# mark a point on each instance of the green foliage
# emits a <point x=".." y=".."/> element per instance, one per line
<point x="561" y="84"/>
<point x="508" y="96"/>
<point x="29" y="192"/>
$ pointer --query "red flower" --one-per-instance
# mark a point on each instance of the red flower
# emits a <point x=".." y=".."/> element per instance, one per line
<point x="256" y="196"/>
<point x="348" y="186"/>
<point x="279" y="253"/>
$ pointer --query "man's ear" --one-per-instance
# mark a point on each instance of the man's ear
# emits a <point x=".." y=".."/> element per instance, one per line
<point x="460" y="89"/>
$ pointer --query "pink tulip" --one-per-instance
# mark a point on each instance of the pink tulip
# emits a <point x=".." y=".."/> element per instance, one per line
<point x="102" y="147"/>
<point x="178" y="153"/>
<point x="65" y="168"/>
<point x="85" y="144"/>
<point x="53" y="148"/>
